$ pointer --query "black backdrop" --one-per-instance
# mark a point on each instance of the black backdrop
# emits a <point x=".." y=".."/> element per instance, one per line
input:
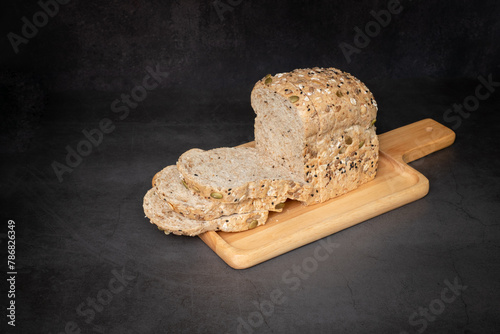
<point x="225" y="46"/>
<point x="72" y="234"/>
<point x="105" y="45"/>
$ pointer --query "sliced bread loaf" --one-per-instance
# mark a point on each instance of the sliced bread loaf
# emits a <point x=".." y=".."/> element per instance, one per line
<point x="315" y="140"/>
<point x="235" y="174"/>
<point x="347" y="112"/>
<point x="170" y="187"/>
<point x="325" y="114"/>
<point x="169" y="221"/>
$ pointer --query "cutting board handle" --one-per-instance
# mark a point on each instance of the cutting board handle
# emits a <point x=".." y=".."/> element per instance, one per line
<point x="416" y="140"/>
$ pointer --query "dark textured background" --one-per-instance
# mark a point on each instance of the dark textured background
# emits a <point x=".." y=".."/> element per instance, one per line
<point x="105" y="45"/>
<point x="71" y="235"/>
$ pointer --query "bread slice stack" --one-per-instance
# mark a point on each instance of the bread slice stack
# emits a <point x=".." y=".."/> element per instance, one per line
<point x="314" y="140"/>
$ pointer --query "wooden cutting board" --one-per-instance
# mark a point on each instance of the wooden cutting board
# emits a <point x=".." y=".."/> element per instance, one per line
<point x="395" y="185"/>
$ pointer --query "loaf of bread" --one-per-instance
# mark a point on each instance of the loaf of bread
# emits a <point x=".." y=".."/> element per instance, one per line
<point x="314" y="140"/>
<point x="160" y="214"/>
<point x="174" y="191"/>
<point x="318" y="123"/>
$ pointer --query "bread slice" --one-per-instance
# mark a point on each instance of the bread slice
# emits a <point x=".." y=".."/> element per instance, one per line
<point x="170" y="187"/>
<point x="169" y="221"/>
<point x="235" y="174"/>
